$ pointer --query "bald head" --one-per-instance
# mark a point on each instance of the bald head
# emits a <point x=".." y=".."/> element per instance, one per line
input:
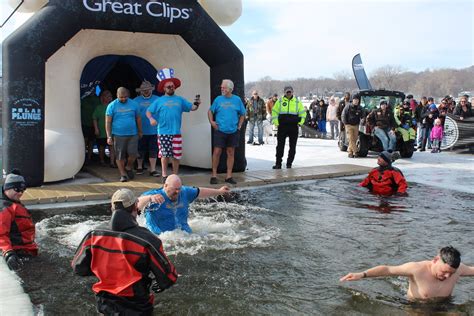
<point x="122" y="94"/>
<point x="172" y="187"/>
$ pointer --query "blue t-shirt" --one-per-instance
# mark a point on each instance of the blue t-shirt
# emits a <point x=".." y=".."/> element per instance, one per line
<point x="168" y="110"/>
<point x="143" y="104"/>
<point x="123" y="117"/>
<point x="227" y="111"/>
<point x="170" y="215"/>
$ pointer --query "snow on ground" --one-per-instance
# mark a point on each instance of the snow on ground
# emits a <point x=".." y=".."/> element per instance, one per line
<point x="13" y="300"/>
<point x="450" y="169"/>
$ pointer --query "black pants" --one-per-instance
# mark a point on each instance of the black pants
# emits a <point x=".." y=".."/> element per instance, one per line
<point x="111" y="305"/>
<point x="285" y="131"/>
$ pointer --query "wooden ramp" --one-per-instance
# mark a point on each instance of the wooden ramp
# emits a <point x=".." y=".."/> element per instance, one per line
<point x="64" y="193"/>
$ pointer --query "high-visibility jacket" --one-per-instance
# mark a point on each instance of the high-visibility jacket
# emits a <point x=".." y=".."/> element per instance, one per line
<point x="288" y="112"/>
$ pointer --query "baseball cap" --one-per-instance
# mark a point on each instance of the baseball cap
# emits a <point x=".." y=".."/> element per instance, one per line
<point x="124" y="196"/>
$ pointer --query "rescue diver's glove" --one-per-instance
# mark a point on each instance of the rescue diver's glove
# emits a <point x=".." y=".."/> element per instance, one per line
<point x="405" y="126"/>
<point x="413" y="122"/>
<point x="156" y="288"/>
<point x="13" y="261"/>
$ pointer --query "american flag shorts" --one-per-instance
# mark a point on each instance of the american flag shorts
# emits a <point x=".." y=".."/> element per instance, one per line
<point x="170" y="146"/>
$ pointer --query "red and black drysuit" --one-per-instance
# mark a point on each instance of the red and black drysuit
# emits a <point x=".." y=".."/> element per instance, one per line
<point x="126" y="260"/>
<point x="385" y="181"/>
<point x="17" y="230"/>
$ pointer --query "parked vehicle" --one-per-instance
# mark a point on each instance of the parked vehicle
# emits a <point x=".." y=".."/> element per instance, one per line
<point x="369" y="100"/>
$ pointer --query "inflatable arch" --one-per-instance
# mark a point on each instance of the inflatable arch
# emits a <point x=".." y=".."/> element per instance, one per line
<point x="44" y="59"/>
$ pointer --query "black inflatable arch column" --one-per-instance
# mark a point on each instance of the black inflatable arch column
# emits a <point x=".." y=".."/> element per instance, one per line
<point x="26" y="51"/>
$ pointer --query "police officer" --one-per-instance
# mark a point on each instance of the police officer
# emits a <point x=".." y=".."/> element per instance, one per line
<point x="351" y="116"/>
<point x="287" y="113"/>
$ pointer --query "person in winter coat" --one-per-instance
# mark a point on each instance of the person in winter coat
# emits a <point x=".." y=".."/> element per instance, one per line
<point x="17" y="230"/>
<point x="436" y="136"/>
<point x="384" y="126"/>
<point x="385" y="179"/>
<point x="351" y="116"/>
<point x="419" y="125"/>
<point x="331" y="116"/>
<point x="255" y="115"/>
<point x="463" y="110"/>
<point x="319" y="113"/>
<point x="429" y="115"/>
<point x="128" y="260"/>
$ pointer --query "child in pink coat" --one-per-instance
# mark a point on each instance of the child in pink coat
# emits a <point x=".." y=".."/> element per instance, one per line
<point x="436" y="136"/>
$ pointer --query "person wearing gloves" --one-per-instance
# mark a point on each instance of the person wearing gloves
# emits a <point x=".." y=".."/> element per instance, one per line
<point x="385" y="179"/>
<point x="17" y="230"/>
<point x="127" y="259"/>
<point x="288" y="113"/>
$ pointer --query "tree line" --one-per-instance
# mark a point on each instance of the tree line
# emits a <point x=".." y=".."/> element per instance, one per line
<point x="436" y="83"/>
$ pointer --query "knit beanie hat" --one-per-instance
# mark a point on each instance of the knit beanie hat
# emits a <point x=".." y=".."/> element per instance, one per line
<point x="385" y="155"/>
<point x="14" y="180"/>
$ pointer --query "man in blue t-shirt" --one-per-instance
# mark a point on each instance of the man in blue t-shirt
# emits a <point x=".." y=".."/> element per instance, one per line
<point x="167" y="209"/>
<point x="148" y="143"/>
<point x="226" y="115"/>
<point x="168" y="111"/>
<point x="123" y="126"/>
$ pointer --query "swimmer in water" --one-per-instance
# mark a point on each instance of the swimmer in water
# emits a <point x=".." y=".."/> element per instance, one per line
<point x="167" y="208"/>
<point x="427" y="279"/>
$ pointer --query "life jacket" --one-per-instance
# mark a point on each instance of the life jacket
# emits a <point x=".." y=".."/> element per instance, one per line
<point x="385" y="181"/>
<point x="122" y="259"/>
<point x="17" y="230"/>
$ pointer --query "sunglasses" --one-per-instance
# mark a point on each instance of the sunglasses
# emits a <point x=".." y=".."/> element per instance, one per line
<point x="19" y="190"/>
<point x="289" y="92"/>
<point x="169" y="87"/>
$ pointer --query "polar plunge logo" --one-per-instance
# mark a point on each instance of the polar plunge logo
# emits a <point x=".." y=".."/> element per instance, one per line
<point x="158" y="9"/>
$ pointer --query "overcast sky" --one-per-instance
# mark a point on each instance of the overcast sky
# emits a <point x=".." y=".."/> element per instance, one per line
<point x="288" y="39"/>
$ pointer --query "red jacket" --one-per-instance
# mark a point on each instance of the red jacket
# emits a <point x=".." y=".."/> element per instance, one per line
<point x="17" y="230"/>
<point x="122" y="259"/>
<point x="385" y="181"/>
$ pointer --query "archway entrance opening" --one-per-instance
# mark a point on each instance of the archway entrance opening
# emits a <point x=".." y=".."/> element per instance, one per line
<point x="113" y="71"/>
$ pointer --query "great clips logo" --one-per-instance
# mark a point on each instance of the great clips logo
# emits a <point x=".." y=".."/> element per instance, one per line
<point x="157" y="9"/>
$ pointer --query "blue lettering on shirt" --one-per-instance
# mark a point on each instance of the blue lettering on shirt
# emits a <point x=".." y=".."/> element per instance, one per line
<point x="123" y="117"/>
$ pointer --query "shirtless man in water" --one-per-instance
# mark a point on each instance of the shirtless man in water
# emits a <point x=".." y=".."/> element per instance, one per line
<point x="427" y="279"/>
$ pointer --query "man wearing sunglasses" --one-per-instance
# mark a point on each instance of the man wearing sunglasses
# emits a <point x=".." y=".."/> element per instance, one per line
<point x="168" y="111"/>
<point x="17" y="230"/>
<point x="288" y="113"/>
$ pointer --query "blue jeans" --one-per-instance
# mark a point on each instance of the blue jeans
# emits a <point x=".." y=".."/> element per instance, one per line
<point x="251" y="127"/>
<point x="426" y="137"/>
<point x="419" y="134"/>
<point x="387" y="138"/>
<point x="322" y="127"/>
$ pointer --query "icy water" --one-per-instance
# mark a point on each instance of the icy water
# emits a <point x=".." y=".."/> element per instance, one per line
<point x="278" y="251"/>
